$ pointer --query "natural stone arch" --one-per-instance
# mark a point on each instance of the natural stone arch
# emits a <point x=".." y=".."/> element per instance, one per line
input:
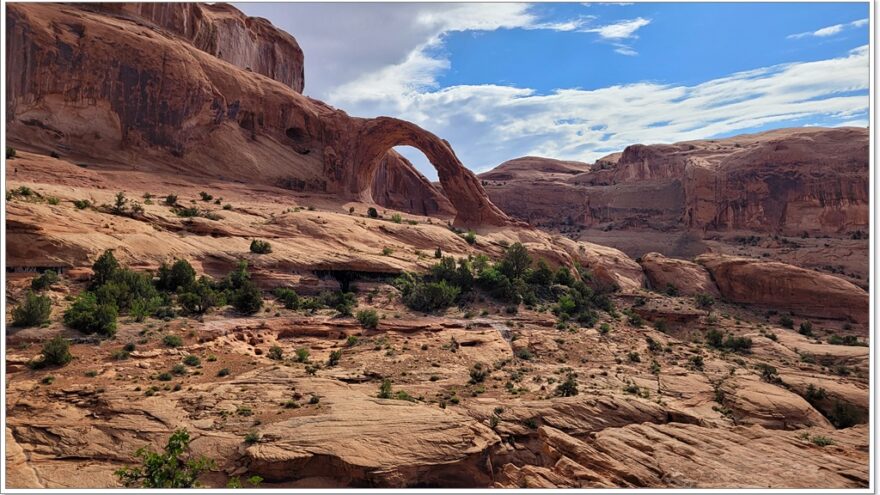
<point x="376" y="137"/>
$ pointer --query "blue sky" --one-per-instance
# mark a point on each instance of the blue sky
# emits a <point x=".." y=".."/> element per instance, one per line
<point x="577" y="81"/>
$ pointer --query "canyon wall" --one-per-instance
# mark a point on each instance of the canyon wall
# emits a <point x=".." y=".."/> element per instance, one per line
<point x="787" y="181"/>
<point x="140" y="88"/>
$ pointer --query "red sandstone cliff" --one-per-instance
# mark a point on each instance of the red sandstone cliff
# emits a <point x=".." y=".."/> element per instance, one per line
<point x="786" y="181"/>
<point x="139" y="87"/>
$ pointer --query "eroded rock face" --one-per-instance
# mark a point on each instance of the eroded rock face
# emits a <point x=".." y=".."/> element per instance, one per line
<point x="686" y="277"/>
<point x="168" y="106"/>
<point x="786" y="181"/>
<point x="398" y="185"/>
<point x="786" y="288"/>
<point x="220" y="29"/>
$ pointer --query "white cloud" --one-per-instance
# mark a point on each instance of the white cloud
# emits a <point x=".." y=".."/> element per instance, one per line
<point x="488" y="124"/>
<point x="829" y="30"/>
<point x="620" y="30"/>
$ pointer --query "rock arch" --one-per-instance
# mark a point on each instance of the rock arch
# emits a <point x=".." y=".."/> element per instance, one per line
<point x="375" y="137"/>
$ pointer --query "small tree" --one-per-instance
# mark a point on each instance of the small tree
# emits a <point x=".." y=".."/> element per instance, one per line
<point x="569" y="387"/>
<point x="276" y="353"/>
<point x="180" y="274"/>
<point x="56" y="352"/>
<point x="247" y="299"/>
<point x="385" y="389"/>
<point x="169" y="469"/>
<point x="368" y="318"/>
<point x="515" y="262"/>
<point x="288" y="297"/>
<point x="438" y="253"/>
<point x="372" y="213"/>
<point x="104" y="268"/>
<point x="119" y="203"/>
<point x="33" y="312"/>
<point x="334" y="358"/>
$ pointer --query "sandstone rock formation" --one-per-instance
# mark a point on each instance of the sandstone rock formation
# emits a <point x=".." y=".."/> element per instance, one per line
<point x="170" y="106"/>
<point x="221" y="30"/>
<point x="786" y="288"/>
<point x="686" y="277"/>
<point x="784" y="181"/>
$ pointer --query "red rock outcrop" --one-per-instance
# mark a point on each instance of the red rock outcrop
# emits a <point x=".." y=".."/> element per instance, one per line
<point x="397" y="184"/>
<point x="251" y="43"/>
<point x="786" y="288"/>
<point x="785" y="181"/>
<point x="688" y="278"/>
<point x="168" y="106"/>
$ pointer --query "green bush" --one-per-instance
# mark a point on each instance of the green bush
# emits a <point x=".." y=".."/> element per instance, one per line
<point x="372" y="213"/>
<point x="806" y="328"/>
<point x="201" y="298"/>
<point x="205" y="196"/>
<point x="104" y="268"/>
<point x="171" y="199"/>
<point x="10" y="152"/>
<point x="288" y="297"/>
<point x="125" y="287"/>
<point x="168" y="469"/>
<point x="172" y="341"/>
<point x="45" y="280"/>
<point x="82" y="204"/>
<point x="471" y="237"/>
<point x="368" y="318"/>
<point x="33" y="312"/>
<point x="192" y="360"/>
<point x="568" y="388"/>
<point x="260" y="247"/>
<point x="87" y="315"/>
<point x="786" y="321"/>
<point x="430" y="296"/>
<point x="343" y="302"/>
<point x="478" y="373"/>
<point x="384" y="389"/>
<point x="179" y="275"/>
<point x="704" y="301"/>
<point x="396" y="218"/>
<point x="302" y="355"/>
<point x="276" y="353"/>
<point x="56" y="352"/>
<point x="247" y="299"/>
<point x="334" y="358"/>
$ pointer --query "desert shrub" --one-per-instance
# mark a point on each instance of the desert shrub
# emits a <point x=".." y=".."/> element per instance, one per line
<point x="247" y="299"/>
<point x="384" y="389"/>
<point x="192" y="360"/>
<point x="564" y="277"/>
<point x="276" y="353"/>
<point x="260" y="247"/>
<point x="205" y="196"/>
<point x="10" y="152"/>
<point x="671" y="290"/>
<point x="569" y="387"/>
<point x="438" y="253"/>
<point x="768" y="373"/>
<point x="368" y="318"/>
<point x="288" y="297"/>
<point x="302" y="355"/>
<point x="396" y="218"/>
<point x="821" y="441"/>
<point x="124" y="287"/>
<point x="172" y="341"/>
<point x="201" y="297"/>
<point x="696" y="362"/>
<point x="704" y="301"/>
<point x="87" y="315"/>
<point x="334" y="358"/>
<point x="515" y="262"/>
<point x="81" y="204"/>
<point x="171" y="199"/>
<point x="372" y="213"/>
<point x="430" y="296"/>
<point x="806" y="328"/>
<point x="44" y="280"/>
<point x="223" y="372"/>
<point x="634" y="357"/>
<point x="786" y="321"/>
<point x="479" y="372"/>
<point x="34" y="311"/>
<point x="470" y="237"/>
<point x="168" y="469"/>
<point x="343" y="302"/>
<point x="179" y="274"/>
<point x="56" y="352"/>
<point x="851" y="340"/>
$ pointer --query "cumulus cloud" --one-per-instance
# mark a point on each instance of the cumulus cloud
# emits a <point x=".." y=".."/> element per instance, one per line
<point x="829" y="30"/>
<point x="488" y="124"/>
